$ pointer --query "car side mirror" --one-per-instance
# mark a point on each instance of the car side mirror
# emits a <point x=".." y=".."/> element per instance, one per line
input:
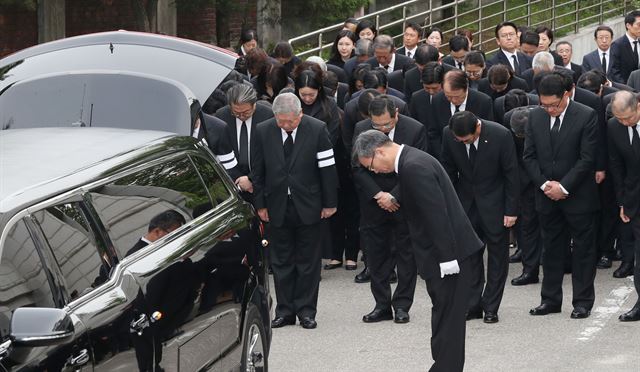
<point x="40" y="326"/>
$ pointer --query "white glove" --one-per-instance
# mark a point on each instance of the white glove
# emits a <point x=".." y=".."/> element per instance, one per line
<point x="449" y="268"/>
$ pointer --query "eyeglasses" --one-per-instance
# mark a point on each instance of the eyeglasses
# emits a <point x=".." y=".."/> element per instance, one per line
<point x="474" y="73"/>
<point x="244" y="113"/>
<point x="508" y="36"/>
<point x="387" y="125"/>
<point x="370" y="167"/>
<point x="553" y="106"/>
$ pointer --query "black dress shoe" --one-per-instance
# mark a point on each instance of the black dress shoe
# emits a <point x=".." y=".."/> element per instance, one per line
<point x="308" y="323"/>
<point x="604" y="263"/>
<point x="625" y="270"/>
<point x="393" y="278"/>
<point x="631" y="315"/>
<point x="516" y="256"/>
<point x="490" y="317"/>
<point x="580" y="312"/>
<point x="401" y="316"/>
<point x="618" y="255"/>
<point x="364" y="276"/>
<point x="524" y="279"/>
<point x="282" y="321"/>
<point x="544" y="309"/>
<point x="474" y="314"/>
<point x="331" y="266"/>
<point x="378" y="315"/>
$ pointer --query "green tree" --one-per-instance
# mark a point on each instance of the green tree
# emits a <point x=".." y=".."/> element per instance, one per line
<point x="27" y="4"/>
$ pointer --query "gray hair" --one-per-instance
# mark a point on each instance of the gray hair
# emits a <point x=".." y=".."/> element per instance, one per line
<point x="286" y="103"/>
<point x="623" y="100"/>
<point x="364" y="47"/>
<point x="319" y="61"/>
<point x="543" y="61"/>
<point x="367" y="143"/>
<point x="241" y="93"/>
<point x="564" y="42"/>
<point x="383" y="42"/>
<point x="519" y="120"/>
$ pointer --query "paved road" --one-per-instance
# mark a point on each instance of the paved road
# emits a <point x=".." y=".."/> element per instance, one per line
<point x="519" y="342"/>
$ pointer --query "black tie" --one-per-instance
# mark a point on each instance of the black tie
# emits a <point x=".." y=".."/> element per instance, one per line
<point x="409" y="54"/>
<point x="554" y="131"/>
<point x="472" y="154"/>
<point x="635" y="143"/>
<point x="288" y="146"/>
<point x="460" y="65"/>
<point x="243" y="159"/>
<point x="516" y="67"/>
<point x="457" y="109"/>
<point x="604" y="63"/>
<point x="635" y="52"/>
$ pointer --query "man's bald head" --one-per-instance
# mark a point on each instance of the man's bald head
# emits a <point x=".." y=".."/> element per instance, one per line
<point x="625" y="107"/>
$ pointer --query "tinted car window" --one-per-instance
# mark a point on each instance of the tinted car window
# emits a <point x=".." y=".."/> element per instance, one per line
<point x="128" y="204"/>
<point x="23" y="279"/>
<point x="212" y="180"/>
<point x="74" y="247"/>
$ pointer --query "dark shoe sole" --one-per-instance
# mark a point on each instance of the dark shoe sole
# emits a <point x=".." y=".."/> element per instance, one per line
<point x="331" y="266"/>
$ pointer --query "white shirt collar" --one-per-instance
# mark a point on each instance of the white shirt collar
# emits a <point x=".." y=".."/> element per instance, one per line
<point x="397" y="161"/>
<point x="631" y="40"/>
<point x="600" y="51"/>
<point x="392" y="133"/>
<point x="239" y="127"/>
<point x="284" y="134"/>
<point x="630" y="130"/>
<point x="463" y="105"/>
<point x="413" y="51"/>
<point x="552" y="119"/>
<point x="146" y="240"/>
<point x="391" y="64"/>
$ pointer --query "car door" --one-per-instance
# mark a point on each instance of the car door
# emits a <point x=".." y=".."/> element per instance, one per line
<point x="28" y="279"/>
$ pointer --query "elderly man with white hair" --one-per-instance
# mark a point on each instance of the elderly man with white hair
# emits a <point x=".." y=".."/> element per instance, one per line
<point x="295" y="187"/>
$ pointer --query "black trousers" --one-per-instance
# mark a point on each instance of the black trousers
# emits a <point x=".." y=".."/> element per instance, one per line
<point x="448" y="325"/>
<point x="581" y="227"/>
<point x="608" y="218"/>
<point x="528" y="232"/>
<point x="635" y="224"/>
<point x="295" y="260"/>
<point x="626" y="241"/>
<point x="488" y="297"/>
<point x="345" y="237"/>
<point x="379" y="240"/>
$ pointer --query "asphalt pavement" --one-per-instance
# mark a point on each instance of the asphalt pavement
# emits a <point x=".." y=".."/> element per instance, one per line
<point x="519" y="342"/>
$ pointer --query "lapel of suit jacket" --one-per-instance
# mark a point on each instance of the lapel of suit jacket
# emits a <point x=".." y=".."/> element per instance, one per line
<point x="276" y="138"/>
<point x="483" y="142"/>
<point x="298" y="144"/>
<point x="231" y="121"/>
<point x="565" y="127"/>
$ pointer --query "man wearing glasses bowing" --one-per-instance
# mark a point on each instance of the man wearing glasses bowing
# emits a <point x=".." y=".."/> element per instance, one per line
<point x="559" y="155"/>
<point x="382" y="227"/>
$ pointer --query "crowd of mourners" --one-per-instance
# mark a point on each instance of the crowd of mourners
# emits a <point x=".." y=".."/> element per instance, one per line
<point x="544" y="155"/>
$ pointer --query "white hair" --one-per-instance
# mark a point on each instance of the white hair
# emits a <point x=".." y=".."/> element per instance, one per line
<point x="319" y="61"/>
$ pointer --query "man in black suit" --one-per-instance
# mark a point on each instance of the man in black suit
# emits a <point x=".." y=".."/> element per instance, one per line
<point x="410" y="40"/>
<point x="565" y="50"/>
<point x="386" y="57"/>
<point x="480" y="158"/>
<point x="241" y="115"/>
<point x="507" y="39"/>
<point x="559" y="154"/>
<point x="625" y="50"/>
<point x="459" y="46"/>
<point x="295" y="187"/>
<point x="382" y="226"/>
<point x="363" y="51"/>
<point x="215" y="134"/>
<point x="624" y="160"/>
<point x="601" y="57"/>
<point x="455" y="96"/>
<point x="441" y="235"/>
<point x="159" y="226"/>
<point x="421" y="108"/>
<point x="412" y="78"/>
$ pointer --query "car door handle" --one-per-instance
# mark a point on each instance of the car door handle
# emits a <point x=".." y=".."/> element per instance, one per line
<point x="79" y="359"/>
<point x="138" y="325"/>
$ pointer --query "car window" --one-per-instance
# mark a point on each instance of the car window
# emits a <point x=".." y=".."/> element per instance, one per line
<point x="23" y="279"/>
<point x="127" y="205"/>
<point x="83" y="265"/>
<point x="212" y="180"/>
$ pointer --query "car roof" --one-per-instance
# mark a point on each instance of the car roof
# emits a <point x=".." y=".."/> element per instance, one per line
<point x="198" y="66"/>
<point x="32" y="161"/>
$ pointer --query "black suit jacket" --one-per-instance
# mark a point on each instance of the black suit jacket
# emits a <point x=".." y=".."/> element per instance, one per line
<point x="590" y="99"/>
<point x="622" y="60"/>
<point x="401" y="62"/>
<point x="413" y="80"/>
<point x="477" y="102"/>
<point x="343" y="91"/>
<point x="421" y="110"/>
<point x="311" y="173"/>
<point x="352" y="117"/>
<point x="340" y="73"/>
<point x="524" y="61"/>
<point x="408" y="132"/>
<point x="450" y="61"/>
<point x="331" y="117"/>
<point x="514" y="83"/>
<point x="439" y="228"/>
<point x="593" y="60"/>
<point x="261" y="114"/>
<point x="571" y="161"/>
<point x="498" y="108"/>
<point x="216" y="133"/>
<point x="493" y="183"/>
<point x="624" y="168"/>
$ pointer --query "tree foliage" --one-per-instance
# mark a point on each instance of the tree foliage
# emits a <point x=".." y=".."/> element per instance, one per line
<point x="303" y="16"/>
<point x="26" y="4"/>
